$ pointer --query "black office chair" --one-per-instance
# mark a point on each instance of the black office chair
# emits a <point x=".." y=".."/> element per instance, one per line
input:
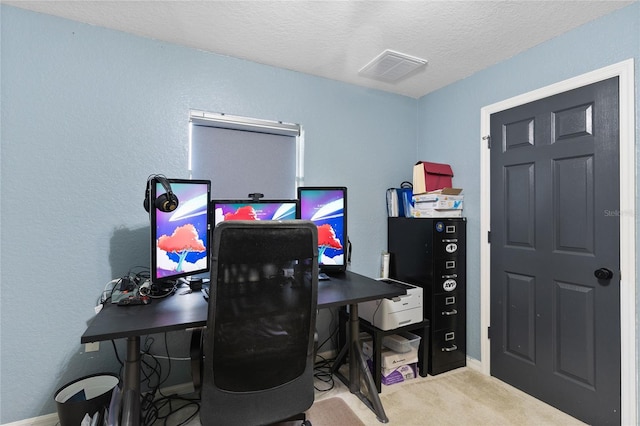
<point x="259" y="341"/>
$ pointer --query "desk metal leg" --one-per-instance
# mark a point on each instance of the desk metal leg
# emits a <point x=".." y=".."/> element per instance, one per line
<point x="358" y="365"/>
<point x="131" y="388"/>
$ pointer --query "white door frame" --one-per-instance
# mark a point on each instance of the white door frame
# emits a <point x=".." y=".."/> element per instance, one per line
<point x="625" y="71"/>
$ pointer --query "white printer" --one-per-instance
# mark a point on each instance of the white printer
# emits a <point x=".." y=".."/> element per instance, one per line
<point x="394" y="312"/>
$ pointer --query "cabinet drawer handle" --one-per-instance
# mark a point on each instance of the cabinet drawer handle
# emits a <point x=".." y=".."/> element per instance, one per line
<point x="450" y="348"/>
<point x="451" y="312"/>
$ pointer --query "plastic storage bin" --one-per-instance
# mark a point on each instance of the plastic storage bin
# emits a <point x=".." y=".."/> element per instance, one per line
<point x="87" y="395"/>
<point x="402" y="342"/>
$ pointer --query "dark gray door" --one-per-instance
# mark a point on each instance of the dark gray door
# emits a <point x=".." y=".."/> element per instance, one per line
<point x="555" y="326"/>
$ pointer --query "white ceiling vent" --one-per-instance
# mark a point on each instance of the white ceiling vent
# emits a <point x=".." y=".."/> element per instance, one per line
<point x="391" y="66"/>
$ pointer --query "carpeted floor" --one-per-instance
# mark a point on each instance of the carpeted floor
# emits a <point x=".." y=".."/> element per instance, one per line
<point x="460" y="397"/>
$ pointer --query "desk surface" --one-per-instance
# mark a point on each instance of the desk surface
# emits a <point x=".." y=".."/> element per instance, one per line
<point x="189" y="310"/>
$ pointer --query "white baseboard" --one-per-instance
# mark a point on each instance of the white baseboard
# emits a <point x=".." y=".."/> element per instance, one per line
<point x="474" y="364"/>
<point x="52" y="419"/>
<point x="46" y="420"/>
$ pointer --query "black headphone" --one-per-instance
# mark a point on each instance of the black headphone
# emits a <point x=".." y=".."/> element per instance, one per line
<point x="166" y="202"/>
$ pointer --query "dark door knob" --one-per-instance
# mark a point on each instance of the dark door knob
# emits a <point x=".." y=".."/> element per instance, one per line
<point x="603" y="274"/>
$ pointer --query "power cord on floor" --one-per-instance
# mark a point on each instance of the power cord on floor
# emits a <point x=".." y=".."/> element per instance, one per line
<point x="158" y="408"/>
<point x="322" y="367"/>
<point x="168" y="407"/>
<point x="322" y="373"/>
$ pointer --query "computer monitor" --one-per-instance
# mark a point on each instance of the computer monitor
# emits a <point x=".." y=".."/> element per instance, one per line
<point x="180" y="238"/>
<point x="262" y="209"/>
<point x="326" y="206"/>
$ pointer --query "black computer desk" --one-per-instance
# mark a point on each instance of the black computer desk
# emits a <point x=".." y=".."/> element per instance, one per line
<point x="186" y="310"/>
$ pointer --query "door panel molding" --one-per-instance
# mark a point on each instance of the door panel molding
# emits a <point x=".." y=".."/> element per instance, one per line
<point x="574" y="227"/>
<point x="625" y="72"/>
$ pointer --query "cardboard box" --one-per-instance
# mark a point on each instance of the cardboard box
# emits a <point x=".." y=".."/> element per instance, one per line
<point x="447" y="191"/>
<point x="389" y="358"/>
<point x="398" y="374"/>
<point x="418" y="213"/>
<point x="431" y="176"/>
<point x="438" y="201"/>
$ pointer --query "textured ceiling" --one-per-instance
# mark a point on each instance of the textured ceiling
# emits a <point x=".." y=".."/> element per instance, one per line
<point x="335" y="39"/>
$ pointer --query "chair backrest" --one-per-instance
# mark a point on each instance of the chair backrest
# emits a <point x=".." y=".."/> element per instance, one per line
<point x="259" y="342"/>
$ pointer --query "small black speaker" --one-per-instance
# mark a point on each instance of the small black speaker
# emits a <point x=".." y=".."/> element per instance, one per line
<point x="195" y="284"/>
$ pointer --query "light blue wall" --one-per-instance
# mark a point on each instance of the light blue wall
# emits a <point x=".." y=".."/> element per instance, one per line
<point x="87" y="114"/>
<point x="449" y="119"/>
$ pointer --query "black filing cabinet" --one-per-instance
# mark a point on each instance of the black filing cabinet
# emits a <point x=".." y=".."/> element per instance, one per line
<point x="431" y="253"/>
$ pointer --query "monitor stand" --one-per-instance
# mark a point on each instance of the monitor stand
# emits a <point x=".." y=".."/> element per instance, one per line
<point x="323" y="277"/>
<point x="164" y="288"/>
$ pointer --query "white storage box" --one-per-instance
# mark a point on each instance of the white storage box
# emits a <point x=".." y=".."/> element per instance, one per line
<point x="402" y="342"/>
